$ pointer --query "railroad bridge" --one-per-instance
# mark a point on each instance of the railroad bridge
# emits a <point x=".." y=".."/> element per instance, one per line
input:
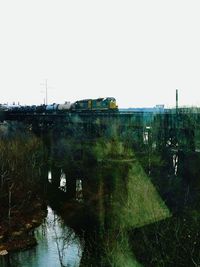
<point x="175" y="135"/>
<point x="171" y="128"/>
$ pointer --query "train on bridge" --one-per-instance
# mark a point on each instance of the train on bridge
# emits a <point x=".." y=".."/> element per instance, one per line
<point x="99" y="104"/>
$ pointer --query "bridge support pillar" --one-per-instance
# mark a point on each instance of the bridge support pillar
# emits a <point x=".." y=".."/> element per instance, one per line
<point x="71" y="188"/>
<point x="56" y="174"/>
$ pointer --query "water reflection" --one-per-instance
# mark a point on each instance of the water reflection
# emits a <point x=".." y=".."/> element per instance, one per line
<point x="175" y="163"/>
<point x="63" y="181"/>
<point x="58" y="246"/>
<point x="79" y="190"/>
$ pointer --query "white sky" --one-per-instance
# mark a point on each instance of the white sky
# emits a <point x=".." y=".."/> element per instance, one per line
<point x="136" y="51"/>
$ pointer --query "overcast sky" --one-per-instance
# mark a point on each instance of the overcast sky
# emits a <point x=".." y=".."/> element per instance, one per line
<point x="136" y="51"/>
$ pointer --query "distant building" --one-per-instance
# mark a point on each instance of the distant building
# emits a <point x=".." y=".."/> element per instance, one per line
<point x="160" y="106"/>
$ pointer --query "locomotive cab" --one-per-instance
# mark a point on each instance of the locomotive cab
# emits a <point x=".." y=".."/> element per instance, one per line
<point x="112" y="103"/>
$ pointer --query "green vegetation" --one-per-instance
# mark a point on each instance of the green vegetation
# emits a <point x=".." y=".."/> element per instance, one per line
<point x="172" y="242"/>
<point x="137" y="206"/>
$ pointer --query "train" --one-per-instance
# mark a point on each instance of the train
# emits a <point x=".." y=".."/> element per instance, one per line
<point x="85" y="105"/>
<point x="108" y="103"/>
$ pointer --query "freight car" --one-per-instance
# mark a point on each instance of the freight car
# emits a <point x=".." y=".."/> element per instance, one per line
<point x="58" y="108"/>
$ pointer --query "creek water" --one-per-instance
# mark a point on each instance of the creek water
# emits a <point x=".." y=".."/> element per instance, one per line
<point x="58" y="246"/>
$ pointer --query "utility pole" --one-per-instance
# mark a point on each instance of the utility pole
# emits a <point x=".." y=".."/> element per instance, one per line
<point x="45" y="92"/>
<point x="46" y="87"/>
<point x="176" y="100"/>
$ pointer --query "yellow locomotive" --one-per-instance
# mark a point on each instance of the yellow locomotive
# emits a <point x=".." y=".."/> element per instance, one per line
<point x="108" y="103"/>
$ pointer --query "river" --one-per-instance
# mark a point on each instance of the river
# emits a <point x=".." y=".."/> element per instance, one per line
<point x="58" y="246"/>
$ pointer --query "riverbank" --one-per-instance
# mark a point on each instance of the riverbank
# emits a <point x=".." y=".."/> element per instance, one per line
<point x="57" y="245"/>
<point x="20" y="234"/>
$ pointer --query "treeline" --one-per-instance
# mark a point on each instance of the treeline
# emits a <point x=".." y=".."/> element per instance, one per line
<point x="22" y="157"/>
